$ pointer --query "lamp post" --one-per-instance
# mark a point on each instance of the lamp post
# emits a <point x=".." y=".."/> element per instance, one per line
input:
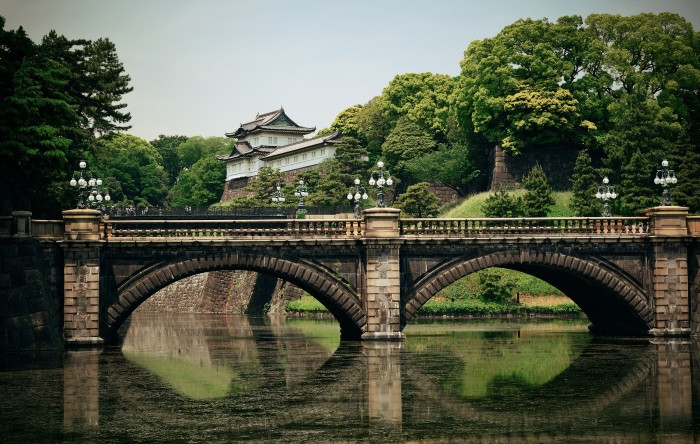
<point x="278" y="198"/>
<point x="90" y="189"/>
<point x="357" y="196"/>
<point x="380" y="181"/>
<point x="301" y="193"/>
<point x="606" y="192"/>
<point x="665" y="178"/>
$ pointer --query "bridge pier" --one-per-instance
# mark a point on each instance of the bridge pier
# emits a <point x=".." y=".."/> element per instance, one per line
<point x="669" y="270"/>
<point x="81" y="278"/>
<point x="381" y="286"/>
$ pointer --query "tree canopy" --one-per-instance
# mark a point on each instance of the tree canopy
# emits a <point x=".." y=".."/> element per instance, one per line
<point x="56" y="98"/>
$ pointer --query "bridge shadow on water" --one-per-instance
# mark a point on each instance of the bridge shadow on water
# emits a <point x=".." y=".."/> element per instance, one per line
<point x="213" y="378"/>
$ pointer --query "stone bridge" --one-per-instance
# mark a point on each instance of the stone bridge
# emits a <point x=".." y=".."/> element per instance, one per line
<point x="630" y="276"/>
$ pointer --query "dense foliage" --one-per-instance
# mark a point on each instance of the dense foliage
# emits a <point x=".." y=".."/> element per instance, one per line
<point x="626" y="90"/>
<point x="56" y="98"/>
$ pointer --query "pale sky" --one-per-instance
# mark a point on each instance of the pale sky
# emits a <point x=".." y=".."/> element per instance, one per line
<point x="201" y="68"/>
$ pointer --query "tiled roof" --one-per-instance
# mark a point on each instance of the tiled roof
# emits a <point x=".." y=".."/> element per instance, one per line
<point x="330" y="138"/>
<point x="266" y="122"/>
<point x="243" y="149"/>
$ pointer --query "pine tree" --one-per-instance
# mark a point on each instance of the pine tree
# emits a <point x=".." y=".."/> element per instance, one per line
<point x="503" y="204"/>
<point x="418" y="201"/>
<point x="539" y="197"/>
<point x="638" y="191"/>
<point x="584" y="187"/>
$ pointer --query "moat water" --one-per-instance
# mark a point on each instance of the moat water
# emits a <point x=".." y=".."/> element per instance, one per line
<point x="221" y="378"/>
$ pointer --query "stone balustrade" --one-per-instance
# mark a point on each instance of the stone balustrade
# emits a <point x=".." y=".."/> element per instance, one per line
<point x="490" y="227"/>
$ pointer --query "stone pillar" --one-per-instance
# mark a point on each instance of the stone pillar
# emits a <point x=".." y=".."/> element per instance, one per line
<point x="81" y="278"/>
<point x="81" y="390"/>
<point x="668" y="221"/>
<point x="669" y="267"/>
<point x="381" y="293"/>
<point x="21" y="223"/>
<point x="384" y="383"/>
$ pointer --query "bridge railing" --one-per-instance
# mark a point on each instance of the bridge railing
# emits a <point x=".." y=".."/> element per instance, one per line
<point x="296" y="228"/>
<point x="48" y="229"/>
<point x="489" y="227"/>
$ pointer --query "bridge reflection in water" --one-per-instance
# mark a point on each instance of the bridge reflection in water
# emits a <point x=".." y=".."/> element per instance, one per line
<point x="213" y="377"/>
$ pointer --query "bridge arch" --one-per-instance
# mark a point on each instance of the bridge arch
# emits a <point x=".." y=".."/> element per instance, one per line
<point x="336" y="294"/>
<point x="613" y="303"/>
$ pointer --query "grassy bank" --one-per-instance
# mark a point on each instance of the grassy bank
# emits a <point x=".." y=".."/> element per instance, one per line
<point x="466" y="297"/>
<point x="439" y="306"/>
<point x="473" y="206"/>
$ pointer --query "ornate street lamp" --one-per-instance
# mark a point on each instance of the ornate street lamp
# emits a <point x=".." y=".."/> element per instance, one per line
<point x="90" y="189"/>
<point x="301" y="193"/>
<point x="357" y="196"/>
<point x="278" y="198"/>
<point x="606" y="192"/>
<point x="377" y="178"/>
<point x="665" y="178"/>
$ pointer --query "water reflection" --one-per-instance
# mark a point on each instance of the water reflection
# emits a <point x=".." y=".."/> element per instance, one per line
<point x="204" y="378"/>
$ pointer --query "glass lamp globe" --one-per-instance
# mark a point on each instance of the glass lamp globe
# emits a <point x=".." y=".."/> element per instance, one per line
<point x="598" y="195"/>
<point x="389" y="181"/>
<point x="613" y="195"/>
<point x="664" y="163"/>
<point x="82" y="164"/>
<point x="91" y="198"/>
<point x="380" y="164"/>
<point x="365" y="196"/>
<point x="372" y="181"/>
<point x="674" y="180"/>
<point x="107" y="198"/>
<point x="606" y="180"/>
<point x="357" y="181"/>
<point x="73" y="182"/>
<point x="99" y="198"/>
<point x="349" y="196"/>
<point x="657" y="180"/>
<point x="357" y="196"/>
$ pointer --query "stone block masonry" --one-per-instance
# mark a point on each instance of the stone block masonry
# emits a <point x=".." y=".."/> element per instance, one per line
<point x="29" y="302"/>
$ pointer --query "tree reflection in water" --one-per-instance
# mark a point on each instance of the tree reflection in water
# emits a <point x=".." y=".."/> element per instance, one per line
<point x="204" y="378"/>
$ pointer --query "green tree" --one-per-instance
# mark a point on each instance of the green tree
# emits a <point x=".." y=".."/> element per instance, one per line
<point x="451" y="166"/>
<point x="503" y="204"/>
<point x="194" y="148"/>
<point x="135" y="166"/>
<point x="493" y="286"/>
<point x="405" y="142"/>
<point x="515" y="83"/>
<point x="167" y="146"/>
<point x="418" y="201"/>
<point x="327" y="184"/>
<point x="584" y="187"/>
<point x="55" y="98"/>
<point x="260" y="189"/>
<point x="538" y="197"/>
<point x="423" y="98"/>
<point x="201" y="185"/>
<point x="638" y="191"/>
<point x="35" y="120"/>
